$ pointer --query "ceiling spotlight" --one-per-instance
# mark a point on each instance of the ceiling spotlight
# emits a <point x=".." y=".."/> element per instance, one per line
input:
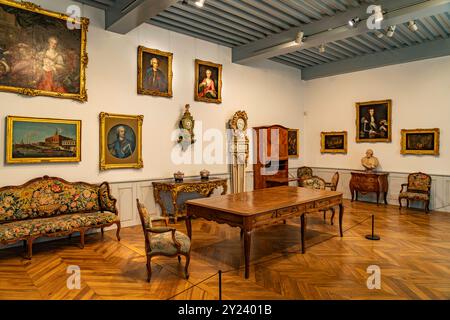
<point x="391" y="31"/>
<point x="412" y="26"/>
<point x="200" y="3"/>
<point x="322" y="48"/>
<point x="300" y="37"/>
<point x="354" y="22"/>
<point x="378" y="13"/>
<point x="379" y="34"/>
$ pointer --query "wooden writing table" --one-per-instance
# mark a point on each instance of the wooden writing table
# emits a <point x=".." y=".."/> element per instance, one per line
<point x="263" y="207"/>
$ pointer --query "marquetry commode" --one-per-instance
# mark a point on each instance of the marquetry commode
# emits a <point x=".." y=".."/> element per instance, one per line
<point x="365" y="182"/>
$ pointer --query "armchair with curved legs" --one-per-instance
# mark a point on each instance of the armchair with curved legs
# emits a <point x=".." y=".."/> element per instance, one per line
<point x="163" y="241"/>
<point x="303" y="173"/>
<point x="318" y="183"/>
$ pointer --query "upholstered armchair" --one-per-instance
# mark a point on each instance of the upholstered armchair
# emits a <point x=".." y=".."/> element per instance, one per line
<point x="418" y="188"/>
<point x="303" y="173"/>
<point x="318" y="183"/>
<point x="334" y="182"/>
<point x="163" y="241"/>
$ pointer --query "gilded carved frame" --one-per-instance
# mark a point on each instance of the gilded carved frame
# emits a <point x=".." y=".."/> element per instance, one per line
<point x="323" y="148"/>
<point x="103" y="142"/>
<point x="219" y="80"/>
<point x="389" y="120"/>
<point x="84" y="24"/>
<point x="434" y="152"/>
<point x="140" y="80"/>
<point x="9" y="140"/>
<point x="298" y="143"/>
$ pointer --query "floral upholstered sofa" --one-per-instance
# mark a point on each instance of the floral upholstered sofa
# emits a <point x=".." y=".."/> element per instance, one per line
<point x="52" y="207"/>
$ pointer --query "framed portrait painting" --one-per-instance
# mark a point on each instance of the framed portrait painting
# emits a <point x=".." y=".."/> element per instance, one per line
<point x="420" y="142"/>
<point x="373" y="121"/>
<point x="293" y="143"/>
<point x="333" y="142"/>
<point x="120" y="141"/>
<point x="208" y="82"/>
<point x="37" y="140"/>
<point x="42" y="53"/>
<point x="155" y="72"/>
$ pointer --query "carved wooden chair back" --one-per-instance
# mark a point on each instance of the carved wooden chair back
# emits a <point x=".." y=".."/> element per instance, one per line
<point x="419" y="182"/>
<point x="334" y="181"/>
<point x="314" y="182"/>
<point x="146" y="220"/>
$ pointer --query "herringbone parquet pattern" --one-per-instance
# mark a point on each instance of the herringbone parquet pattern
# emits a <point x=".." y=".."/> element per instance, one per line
<point x="413" y="254"/>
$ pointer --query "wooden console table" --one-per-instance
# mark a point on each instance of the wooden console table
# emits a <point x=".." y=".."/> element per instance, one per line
<point x="263" y="207"/>
<point x="365" y="182"/>
<point x="204" y="187"/>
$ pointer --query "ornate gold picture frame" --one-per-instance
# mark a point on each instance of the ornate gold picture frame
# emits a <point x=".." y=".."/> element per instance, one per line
<point x="374" y="121"/>
<point x="120" y="141"/>
<point x="420" y="141"/>
<point x="208" y="82"/>
<point x="50" y="59"/>
<point x="155" y="73"/>
<point x="39" y="140"/>
<point x="294" y="143"/>
<point x="334" y="142"/>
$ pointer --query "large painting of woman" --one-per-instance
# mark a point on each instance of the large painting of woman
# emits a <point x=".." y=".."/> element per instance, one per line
<point x="208" y="81"/>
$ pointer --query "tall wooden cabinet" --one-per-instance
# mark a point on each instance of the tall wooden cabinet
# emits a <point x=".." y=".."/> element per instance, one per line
<point x="270" y="152"/>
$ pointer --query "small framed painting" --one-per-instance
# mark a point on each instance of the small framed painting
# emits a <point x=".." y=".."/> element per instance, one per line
<point x="42" y="53"/>
<point x="120" y="141"/>
<point x="293" y="143"/>
<point x="208" y="82"/>
<point x="334" y="142"/>
<point x="37" y="140"/>
<point x="420" y="142"/>
<point x="155" y="72"/>
<point x="373" y="121"/>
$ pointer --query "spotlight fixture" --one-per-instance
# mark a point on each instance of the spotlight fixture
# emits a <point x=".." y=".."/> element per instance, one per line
<point x="300" y="37"/>
<point x="322" y="48"/>
<point x="391" y="31"/>
<point x="412" y="26"/>
<point x="184" y="2"/>
<point x="354" y="22"/>
<point x="379" y="34"/>
<point x="378" y="13"/>
<point x="200" y="3"/>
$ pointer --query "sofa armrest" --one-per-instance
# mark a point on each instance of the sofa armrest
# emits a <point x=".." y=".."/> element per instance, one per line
<point x="106" y="200"/>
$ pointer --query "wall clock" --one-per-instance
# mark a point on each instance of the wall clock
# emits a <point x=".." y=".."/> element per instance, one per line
<point x="186" y="126"/>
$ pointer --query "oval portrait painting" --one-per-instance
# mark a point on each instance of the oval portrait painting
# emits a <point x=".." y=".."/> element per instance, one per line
<point x="121" y="141"/>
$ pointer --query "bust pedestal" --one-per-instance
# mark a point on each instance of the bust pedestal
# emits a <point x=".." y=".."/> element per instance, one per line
<point x="367" y="181"/>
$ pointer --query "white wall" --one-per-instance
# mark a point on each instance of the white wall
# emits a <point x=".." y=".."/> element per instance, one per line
<point x="269" y="92"/>
<point x="420" y="92"/>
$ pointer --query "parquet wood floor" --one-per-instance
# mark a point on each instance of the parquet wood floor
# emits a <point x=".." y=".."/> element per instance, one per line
<point x="413" y="254"/>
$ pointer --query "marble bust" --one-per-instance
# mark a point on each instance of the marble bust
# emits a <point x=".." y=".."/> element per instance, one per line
<point x="370" y="162"/>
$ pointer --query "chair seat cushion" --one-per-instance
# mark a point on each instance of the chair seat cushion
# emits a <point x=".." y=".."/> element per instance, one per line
<point x="162" y="243"/>
<point x="414" y="196"/>
<point x="45" y="226"/>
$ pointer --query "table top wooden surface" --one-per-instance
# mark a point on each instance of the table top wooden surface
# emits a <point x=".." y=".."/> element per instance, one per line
<point x="263" y="200"/>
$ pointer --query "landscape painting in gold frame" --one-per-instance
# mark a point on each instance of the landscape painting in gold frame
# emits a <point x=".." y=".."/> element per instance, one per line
<point x="294" y="143"/>
<point x="37" y="140"/>
<point x="155" y="72"/>
<point x="43" y="52"/>
<point x="208" y="82"/>
<point x="374" y="121"/>
<point x="120" y="141"/>
<point x="334" y="142"/>
<point x="420" y="141"/>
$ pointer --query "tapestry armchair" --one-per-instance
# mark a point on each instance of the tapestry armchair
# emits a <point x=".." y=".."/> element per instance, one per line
<point x="418" y="188"/>
<point x="162" y="240"/>
<point x="318" y="183"/>
<point x="303" y="173"/>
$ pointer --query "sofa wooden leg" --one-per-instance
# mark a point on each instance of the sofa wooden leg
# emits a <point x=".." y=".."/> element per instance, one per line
<point x="82" y="239"/>
<point x="427" y="206"/>
<point x="149" y="268"/>
<point x="103" y="231"/>
<point x="186" y="268"/>
<point x="30" y="249"/>
<point x="400" y="203"/>
<point x="118" y="231"/>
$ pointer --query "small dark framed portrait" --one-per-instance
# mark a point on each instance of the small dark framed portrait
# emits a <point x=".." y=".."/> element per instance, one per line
<point x="334" y="142"/>
<point x="293" y="143"/>
<point x="373" y="121"/>
<point x="120" y="141"/>
<point x="208" y="82"/>
<point x="155" y="72"/>
<point x="420" y="141"/>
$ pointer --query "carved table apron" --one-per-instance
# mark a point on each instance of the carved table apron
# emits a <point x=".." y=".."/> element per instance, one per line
<point x="203" y="187"/>
<point x="261" y="208"/>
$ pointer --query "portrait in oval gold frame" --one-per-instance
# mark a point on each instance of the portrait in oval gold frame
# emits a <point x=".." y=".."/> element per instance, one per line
<point x="120" y="141"/>
<point x="50" y="59"/>
<point x="208" y="82"/>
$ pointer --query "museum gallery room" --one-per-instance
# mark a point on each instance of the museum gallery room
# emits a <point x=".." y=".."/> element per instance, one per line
<point x="225" y="150"/>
